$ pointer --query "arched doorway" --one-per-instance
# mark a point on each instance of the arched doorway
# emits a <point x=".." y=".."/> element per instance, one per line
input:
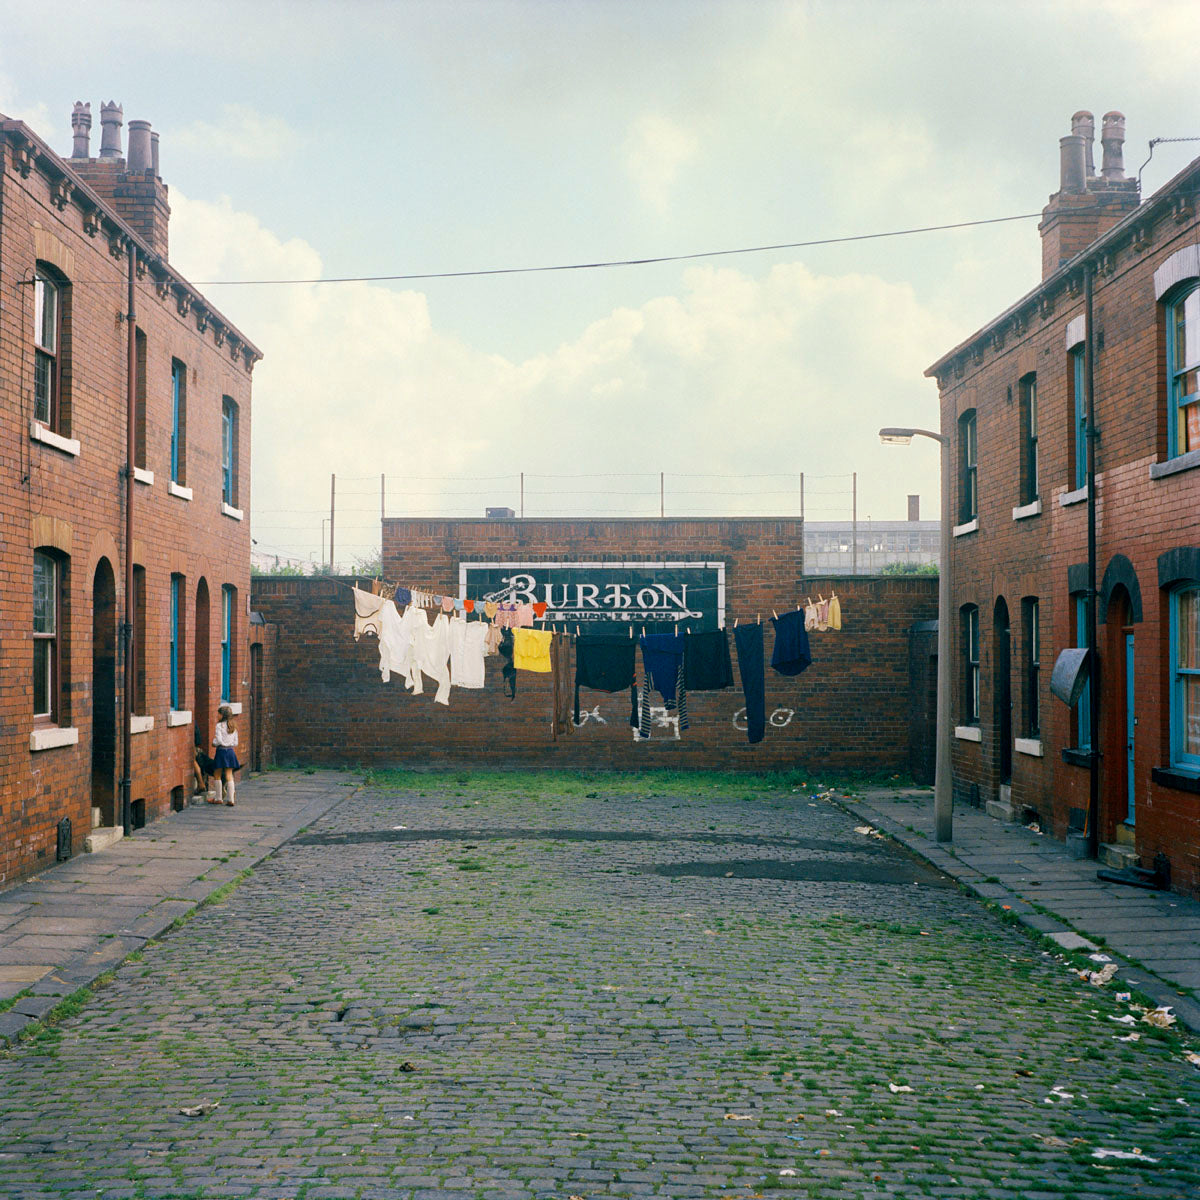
<point x="200" y="712"/>
<point x="104" y="693"/>
<point x="1002" y="690"/>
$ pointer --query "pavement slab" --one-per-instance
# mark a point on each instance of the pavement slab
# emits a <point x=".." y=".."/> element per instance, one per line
<point x="596" y="987"/>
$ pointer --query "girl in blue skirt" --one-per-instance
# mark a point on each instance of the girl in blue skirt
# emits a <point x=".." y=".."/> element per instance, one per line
<point x="225" y="760"/>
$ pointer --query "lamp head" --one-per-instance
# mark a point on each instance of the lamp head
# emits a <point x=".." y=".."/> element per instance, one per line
<point x="896" y="437"/>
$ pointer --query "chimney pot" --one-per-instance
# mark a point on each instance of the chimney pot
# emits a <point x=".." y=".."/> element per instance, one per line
<point x="112" y="117"/>
<point x="1112" y="138"/>
<point x="81" y="129"/>
<point x="154" y="155"/>
<point x="139" y="147"/>
<point x="1084" y="124"/>
<point x="1073" y="164"/>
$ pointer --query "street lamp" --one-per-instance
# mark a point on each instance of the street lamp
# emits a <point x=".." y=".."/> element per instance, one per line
<point x="943" y="789"/>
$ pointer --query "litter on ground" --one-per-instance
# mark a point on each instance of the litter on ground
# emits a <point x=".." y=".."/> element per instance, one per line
<point x="1192" y="1057"/>
<point x="1130" y="1037"/>
<point x="201" y="1109"/>
<point x="1161" y="1017"/>
<point x="898" y="1087"/>
<point x="1125" y="1155"/>
<point x="738" y="1117"/>
<point x="1125" y="1020"/>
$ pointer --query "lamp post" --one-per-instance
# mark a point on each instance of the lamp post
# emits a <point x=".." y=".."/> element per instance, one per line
<point x="943" y="790"/>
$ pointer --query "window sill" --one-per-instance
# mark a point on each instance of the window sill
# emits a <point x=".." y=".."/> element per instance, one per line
<point x="175" y="489"/>
<point x="1030" y="746"/>
<point x="1028" y="510"/>
<point x="39" y="433"/>
<point x="1077" y="758"/>
<point x="1078" y="496"/>
<point x="969" y="527"/>
<point x="1172" y="466"/>
<point x="51" y="736"/>
<point x="1176" y="777"/>
<point x="141" y="724"/>
<point x="179" y="716"/>
<point x="229" y="511"/>
<point x="968" y="733"/>
<point x="143" y="476"/>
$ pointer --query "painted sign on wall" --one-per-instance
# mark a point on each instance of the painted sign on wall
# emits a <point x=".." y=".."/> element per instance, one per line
<point x="604" y="595"/>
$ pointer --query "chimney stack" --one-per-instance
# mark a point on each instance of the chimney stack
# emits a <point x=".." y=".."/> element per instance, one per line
<point x="1084" y="125"/>
<point x="138" y="161"/>
<point x="1112" y="138"/>
<point x="81" y="129"/>
<point x="1072" y="170"/>
<point x="1086" y="205"/>
<point x="131" y="187"/>
<point x="112" y="117"/>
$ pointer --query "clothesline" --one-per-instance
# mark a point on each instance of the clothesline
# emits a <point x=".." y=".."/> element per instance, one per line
<point x="451" y="651"/>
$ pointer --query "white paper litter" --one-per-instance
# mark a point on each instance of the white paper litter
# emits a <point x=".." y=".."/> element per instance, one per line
<point x="898" y="1087"/>
<point x="1161" y="1017"/>
<point x="1125" y="1020"/>
<point x="1126" y="1155"/>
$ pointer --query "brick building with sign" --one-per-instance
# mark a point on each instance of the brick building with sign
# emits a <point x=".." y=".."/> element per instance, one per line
<point x="71" y="229"/>
<point x="1014" y="406"/>
<point x="865" y="704"/>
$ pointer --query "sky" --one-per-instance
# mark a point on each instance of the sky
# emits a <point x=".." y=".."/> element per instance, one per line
<point x="312" y="139"/>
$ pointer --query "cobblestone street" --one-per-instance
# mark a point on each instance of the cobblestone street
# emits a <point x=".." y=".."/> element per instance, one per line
<point x="453" y="987"/>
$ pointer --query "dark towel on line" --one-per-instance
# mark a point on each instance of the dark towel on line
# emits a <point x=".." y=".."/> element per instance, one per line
<point x="661" y="655"/>
<point x="749" y="642"/>
<point x="791" y="654"/>
<point x="508" y="670"/>
<point x="605" y="664"/>
<point x="707" y="665"/>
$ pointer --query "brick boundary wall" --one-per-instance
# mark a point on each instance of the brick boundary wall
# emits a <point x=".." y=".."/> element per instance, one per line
<point x="851" y="711"/>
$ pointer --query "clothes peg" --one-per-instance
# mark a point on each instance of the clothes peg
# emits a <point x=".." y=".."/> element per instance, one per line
<point x="774" y="614"/>
<point x="758" y="619"/>
<point x="735" y="621"/>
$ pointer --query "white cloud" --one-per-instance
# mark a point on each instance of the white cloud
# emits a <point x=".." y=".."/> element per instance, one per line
<point x="240" y="131"/>
<point x="733" y="376"/>
<point x="655" y="151"/>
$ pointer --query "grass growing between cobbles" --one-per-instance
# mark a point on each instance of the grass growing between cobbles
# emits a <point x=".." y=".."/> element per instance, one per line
<point x="483" y="1015"/>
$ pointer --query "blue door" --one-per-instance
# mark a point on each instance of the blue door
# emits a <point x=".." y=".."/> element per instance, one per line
<point x="1130" y="727"/>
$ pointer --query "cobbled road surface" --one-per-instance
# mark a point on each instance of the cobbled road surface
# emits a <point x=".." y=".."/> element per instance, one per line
<point x="461" y="987"/>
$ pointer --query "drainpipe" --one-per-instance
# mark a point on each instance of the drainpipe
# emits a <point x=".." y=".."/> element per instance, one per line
<point x="1089" y="367"/>
<point x="127" y="626"/>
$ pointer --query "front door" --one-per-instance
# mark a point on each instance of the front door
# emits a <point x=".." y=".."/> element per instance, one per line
<point x="1130" y="729"/>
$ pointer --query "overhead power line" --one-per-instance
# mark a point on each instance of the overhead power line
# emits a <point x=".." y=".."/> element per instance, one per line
<point x="619" y="262"/>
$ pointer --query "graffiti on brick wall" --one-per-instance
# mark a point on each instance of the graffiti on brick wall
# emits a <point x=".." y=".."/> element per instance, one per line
<point x="586" y="715"/>
<point x="780" y="718"/>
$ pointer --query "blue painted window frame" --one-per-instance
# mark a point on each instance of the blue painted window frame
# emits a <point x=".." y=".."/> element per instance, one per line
<point x="178" y="385"/>
<point x="1180" y="758"/>
<point x="970" y="613"/>
<point x="176" y="590"/>
<point x="968" y="438"/>
<point x="1029" y="418"/>
<point x="1080" y="386"/>
<point x="226" y="638"/>
<point x="1177" y="398"/>
<point x="1083" y="710"/>
<point x="228" y="426"/>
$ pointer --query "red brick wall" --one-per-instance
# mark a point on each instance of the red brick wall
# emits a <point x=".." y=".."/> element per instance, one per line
<point x="78" y="503"/>
<point x="1137" y="516"/>
<point x="848" y="711"/>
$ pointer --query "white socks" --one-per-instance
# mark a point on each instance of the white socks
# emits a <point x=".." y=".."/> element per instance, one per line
<point x="217" y="789"/>
<point x="231" y="793"/>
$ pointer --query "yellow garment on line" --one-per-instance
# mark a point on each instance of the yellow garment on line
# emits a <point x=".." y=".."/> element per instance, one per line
<point x="531" y="650"/>
<point x="835" y="613"/>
